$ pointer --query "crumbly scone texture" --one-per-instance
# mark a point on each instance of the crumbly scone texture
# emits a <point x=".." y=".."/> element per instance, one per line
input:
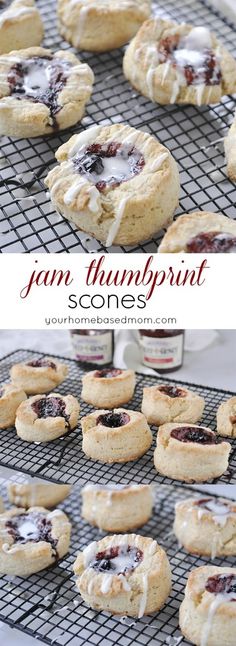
<point x="189" y="225"/>
<point x="31" y="428"/>
<point x="201" y="534"/>
<point x="226" y="418"/>
<point x="142" y="591"/>
<point x="117" y="510"/>
<point x="189" y="461"/>
<point x="120" y="444"/>
<point x="38" y="380"/>
<point x="194" y="610"/>
<point x="108" y="392"/>
<point x="159" y="408"/>
<point x="26" y="118"/>
<point x="230" y="151"/>
<point x="101" y="26"/>
<point x="37" y="494"/>
<point x="142" y="205"/>
<point x="10" y="401"/>
<point x="157" y="81"/>
<point x="20" y="26"/>
<point x="23" y="559"/>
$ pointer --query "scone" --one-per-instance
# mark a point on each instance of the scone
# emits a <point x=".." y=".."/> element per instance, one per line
<point x="101" y="26"/>
<point x="208" y="611"/>
<point x="20" y="26"/>
<point x="190" y="453"/>
<point x="226" y="418"/>
<point x="117" y="508"/>
<point x="115" y="436"/>
<point x="200" y="232"/>
<point x="43" y="418"/>
<point x="116" y="183"/>
<point x="38" y="375"/>
<point x="42" y="92"/>
<point x="124" y="574"/>
<point x="37" y="494"/>
<point x="11" y="397"/>
<point x="32" y="540"/>
<point x="206" y="526"/>
<point x="166" y="403"/>
<point x="108" y="388"/>
<point x="1" y="505"/>
<point x="170" y="63"/>
<point x="230" y="151"/>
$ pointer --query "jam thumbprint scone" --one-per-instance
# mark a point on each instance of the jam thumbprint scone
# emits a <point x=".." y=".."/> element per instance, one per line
<point x="116" y="183"/>
<point x="101" y="26"/>
<point x="43" y="418"/>
<point x="208" y="611"/>
<point x="117" y="508"/>
<point x="115" y="436"/>
<point x="32" y="540"/>
<point x="190" y="453"/>
<point x="124" y="574"/>
<point x="167" y="403"/>
<point x="38" y="376"/>
<point x="200" y="232"/>
<point x="170" y="63"/>
<point x="230" y="151"/>
<point x="226" y="418"/>
<point x="11" y="396"/>
<point x="20" y="26"/>
<point x="37" y="494"/>
<point x="206" y="526"/>
<point x="42" y="92"/>
<point x="108" y="388"/>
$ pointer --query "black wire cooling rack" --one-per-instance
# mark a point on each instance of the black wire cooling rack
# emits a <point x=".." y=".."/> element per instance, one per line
<point x="28" y="221"/>
<point x="48" y="606"/>
<point x="63" y="460"/>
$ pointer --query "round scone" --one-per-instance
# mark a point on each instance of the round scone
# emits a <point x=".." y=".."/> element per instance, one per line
<point x="20" y="26"/>
<point x="208" y="611"/>
<point x="38" y="376"/>
<point x="226" y="418"/>
<point x="200" y="232"/>
<point x="166" y="403"/>
<point x="108" y="388"/>
<point x="115" y="436"/>
<point x="43" y="418"/>
<point x="170" y="63"/>
<point x="101" y="26"/>
<point x="42" y="92"/>
<point x="32" y="540"/>
<point x="124" y="574"/>
<point x="190" y="453"/>
<point x="11" y="397"/>
<point x="117" y="508"/>
<point x="206" y="526"/>
<point x="116" y="183"/>
<point x="37" y="494"/>
<point x="230" y="151"/>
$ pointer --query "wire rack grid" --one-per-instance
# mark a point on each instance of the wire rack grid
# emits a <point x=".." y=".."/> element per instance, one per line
<point x="48" y="606"/>
<point x="63" y="460"/>
<point x="28" y="222"/>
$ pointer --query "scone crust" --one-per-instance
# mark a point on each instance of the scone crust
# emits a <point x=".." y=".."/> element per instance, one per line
<point x="147" y="587"/>
<point x="108" y="392"/>
<point x="34" y="119"/>
<point x="120" y="444"/>
<point x="115" y="509"/>
<point x="188" y="226"/>
<point x="230" y="151"/>
<point x="201" y="534"/>
<point x="159" y="408"/>
<point x="146" y="202"/>
<point x="101" y="26"/>
<point x="33" y="429"/>
<point x="157" y="82"/>
<point x="10" y="400"/>
<point x="37" y="380"/>
<point x="20" y="26"/>
<point x="226" y="418"/>
<point x="27" y="558"/>
<point x="37" y="494"/>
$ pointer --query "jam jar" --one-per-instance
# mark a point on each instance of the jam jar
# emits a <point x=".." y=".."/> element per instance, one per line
<point x="162" y="350"/>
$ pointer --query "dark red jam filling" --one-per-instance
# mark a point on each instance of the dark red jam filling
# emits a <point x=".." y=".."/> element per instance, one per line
<point x="172" y="391"/>
<point x="108" y="373"/>
<point x="40" y="531"/>
<point x="222" y="584"/>
<point x="194" y="434"/>
<point x="51" y="407"/>
<point x="41" y="363"/>
<point x="113" y="420"/>
<point x="207" y="71"/>
<point x="117" y="560"/>
<point x="212" y="242"/>
<point x="89" y="162"/>
<point x="54" y="73"/>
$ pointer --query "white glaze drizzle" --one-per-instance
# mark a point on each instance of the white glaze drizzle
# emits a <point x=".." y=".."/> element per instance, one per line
<point x="13" y="13"/>
<point x="143" y="601"/>
<point x="217" y="601"/>
<point x="117" y="222"/>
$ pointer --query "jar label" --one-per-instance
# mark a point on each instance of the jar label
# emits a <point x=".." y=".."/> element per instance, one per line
<point x="93" y="349"/>
<point x="162" y="352"/>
